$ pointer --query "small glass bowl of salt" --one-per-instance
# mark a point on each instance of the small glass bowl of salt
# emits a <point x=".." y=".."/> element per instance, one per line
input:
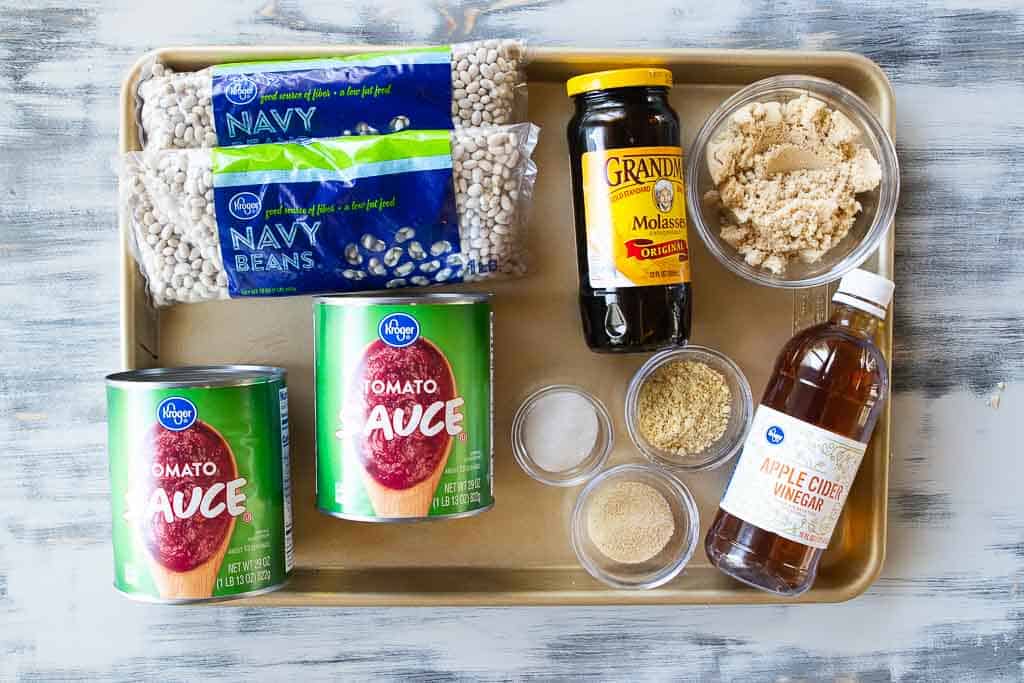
<point x="562" y="435"/>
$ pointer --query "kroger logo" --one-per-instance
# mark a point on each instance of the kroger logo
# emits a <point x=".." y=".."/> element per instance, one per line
<point x="176" y="413"/>
<point x="398" y="330"/>
<point x="241" y="90"/>
<point x="775" y="435"/>
<point x="245" y="206"/>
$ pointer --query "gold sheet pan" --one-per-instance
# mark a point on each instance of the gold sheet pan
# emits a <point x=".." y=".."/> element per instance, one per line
<point x="519" y="553"/>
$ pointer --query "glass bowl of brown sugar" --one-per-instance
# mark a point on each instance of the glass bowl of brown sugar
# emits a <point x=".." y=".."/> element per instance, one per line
<point x="689" y="408"/>
<point x="792" y="182"/>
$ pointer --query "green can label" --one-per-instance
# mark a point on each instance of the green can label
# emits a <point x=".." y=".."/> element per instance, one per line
<point x="201" y="492"/>
<point x="403" y="407"/>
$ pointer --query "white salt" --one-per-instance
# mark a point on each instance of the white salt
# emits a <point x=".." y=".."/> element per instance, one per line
<point x="560" y="431"/>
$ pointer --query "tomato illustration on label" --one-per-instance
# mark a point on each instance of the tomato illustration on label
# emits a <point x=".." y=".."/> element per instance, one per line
<point x="403" y="413"/>
<point x="185" y="494"/>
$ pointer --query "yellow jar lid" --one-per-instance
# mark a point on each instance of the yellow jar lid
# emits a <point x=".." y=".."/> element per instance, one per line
<point x="619" y="78"/>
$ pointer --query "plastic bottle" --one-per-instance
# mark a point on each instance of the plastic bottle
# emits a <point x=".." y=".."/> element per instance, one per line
<point x="805" y="445"/>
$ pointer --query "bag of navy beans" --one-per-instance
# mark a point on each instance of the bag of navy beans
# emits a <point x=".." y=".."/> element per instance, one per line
<point x="451" y="86"/>
<point x="413" y="208"/>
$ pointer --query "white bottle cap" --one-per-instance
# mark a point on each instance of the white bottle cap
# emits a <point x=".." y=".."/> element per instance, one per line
<point x="866" y="291"/>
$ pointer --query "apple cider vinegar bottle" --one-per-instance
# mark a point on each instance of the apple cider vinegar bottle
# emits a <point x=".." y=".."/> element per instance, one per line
<point x="805" y="445"/>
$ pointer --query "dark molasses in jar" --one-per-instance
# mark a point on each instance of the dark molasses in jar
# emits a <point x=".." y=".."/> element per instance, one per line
<point x="630" y="209"/>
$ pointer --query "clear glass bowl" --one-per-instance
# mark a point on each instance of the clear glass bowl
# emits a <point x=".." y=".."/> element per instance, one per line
<point x="718" y="452"/>
<point x="590" y="464"/>
<point x="879" y="205"/>
<point x="661" y="568"/>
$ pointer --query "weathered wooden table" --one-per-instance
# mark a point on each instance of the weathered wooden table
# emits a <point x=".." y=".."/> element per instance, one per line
<point x="948" y="605"/>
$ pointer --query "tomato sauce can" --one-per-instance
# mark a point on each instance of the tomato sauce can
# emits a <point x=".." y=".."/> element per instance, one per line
<point x="404" y="406"/>
<point x="200" y="482"/>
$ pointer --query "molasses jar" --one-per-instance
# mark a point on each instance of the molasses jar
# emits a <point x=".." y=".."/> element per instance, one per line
<point x="630" y="209"/>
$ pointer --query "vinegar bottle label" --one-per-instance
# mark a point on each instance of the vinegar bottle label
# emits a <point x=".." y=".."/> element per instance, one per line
<point x="792" y="478"/>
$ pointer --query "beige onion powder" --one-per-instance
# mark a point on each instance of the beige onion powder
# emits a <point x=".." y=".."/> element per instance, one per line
<point x="629" y="521"/>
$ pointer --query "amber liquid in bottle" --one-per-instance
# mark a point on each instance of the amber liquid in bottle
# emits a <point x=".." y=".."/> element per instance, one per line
<point x="832" y="376"/>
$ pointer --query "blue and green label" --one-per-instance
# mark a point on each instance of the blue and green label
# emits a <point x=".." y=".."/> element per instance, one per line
<point x="345" y="214"/>
<point x="383" y="92"/>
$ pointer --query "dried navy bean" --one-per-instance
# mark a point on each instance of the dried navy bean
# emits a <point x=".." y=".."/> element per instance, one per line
<point x="438" y="248"/>
<point x="416" y="251"/>
<point x="352" y="255"/>
<point x="372" y="243"/>
<point x="393" y="255"/>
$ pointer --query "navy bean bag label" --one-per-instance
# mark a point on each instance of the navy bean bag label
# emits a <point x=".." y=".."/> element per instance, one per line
<point x="258" y="102"/>
<point x="346" y="214"/>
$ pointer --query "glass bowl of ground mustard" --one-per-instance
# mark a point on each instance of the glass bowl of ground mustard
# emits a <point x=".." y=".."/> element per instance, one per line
<point x="634" y="526"/>
<point x="689" y="408"/>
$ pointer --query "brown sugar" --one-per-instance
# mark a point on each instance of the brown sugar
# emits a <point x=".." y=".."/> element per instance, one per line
<point x="684" y="407"/>
<point x="787" y="176"/>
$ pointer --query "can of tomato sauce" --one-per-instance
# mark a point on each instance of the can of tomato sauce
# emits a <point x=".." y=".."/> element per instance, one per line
<point x="200" y="482"/>
<point x="404" y="406"/>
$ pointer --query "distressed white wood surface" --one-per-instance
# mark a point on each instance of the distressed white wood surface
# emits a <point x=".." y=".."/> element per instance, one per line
<point x="948" y="605"/>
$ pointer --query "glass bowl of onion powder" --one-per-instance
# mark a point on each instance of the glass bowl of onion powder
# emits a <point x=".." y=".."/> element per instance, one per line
<point x="634" y="526"/>
<point x="689" y="409"/>
<point x="562" y="435"/>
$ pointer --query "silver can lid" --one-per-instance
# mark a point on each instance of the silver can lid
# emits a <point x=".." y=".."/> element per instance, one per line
<point x="196" y="376"/>
<point x="363" y="299"/>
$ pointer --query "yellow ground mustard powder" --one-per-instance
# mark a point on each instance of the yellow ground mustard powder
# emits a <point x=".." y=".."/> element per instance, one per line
<point x="684" y="407"/>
